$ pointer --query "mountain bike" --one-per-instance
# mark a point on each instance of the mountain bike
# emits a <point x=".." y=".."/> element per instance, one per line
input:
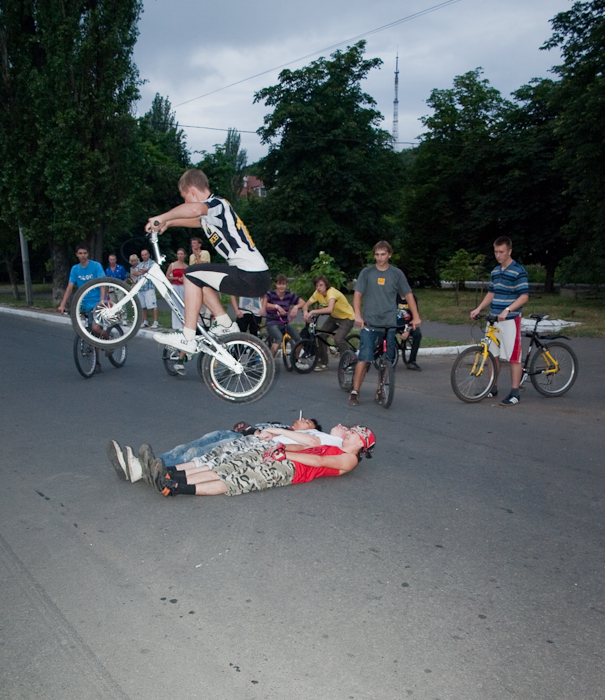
<point x="305" y="351"/>
<point x="552" y="368"/>
<point x="86" y="356"/>
<point x="383" y="363"/>
<point x="237" y="368"/>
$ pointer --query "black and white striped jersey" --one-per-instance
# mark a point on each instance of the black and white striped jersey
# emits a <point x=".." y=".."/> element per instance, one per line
<point x="228" y="235"/>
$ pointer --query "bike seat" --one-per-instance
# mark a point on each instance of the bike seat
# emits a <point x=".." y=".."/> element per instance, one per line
<point x="539" y="317"/>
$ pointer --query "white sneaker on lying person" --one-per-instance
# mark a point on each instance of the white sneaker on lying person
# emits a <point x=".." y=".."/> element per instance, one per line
<point x="217" y="329"/>
<point x="177" y="340"/>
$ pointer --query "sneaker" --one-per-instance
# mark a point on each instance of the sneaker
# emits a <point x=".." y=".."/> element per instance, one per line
<point x="179" y="368"/>
<point x="414" y="366"/>
<point x="116" y="457"/>
<point x="145" y="324"/>
<point x="176" y="340"/>
<point x="320" y="368"/>
<point x="135" y="471"/>
<point x="510" y="400"/>
<point x="217" y="330"/>
<point x="146" y="459"/>
<point x="158" y="471"/>
<point x="167" y="487"/>
<point x="155" y="324"/>
<point x="354" y="398"/>
<point x="493" y="393"/>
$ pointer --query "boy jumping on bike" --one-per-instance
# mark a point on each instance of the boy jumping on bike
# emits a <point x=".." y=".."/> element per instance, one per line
<point x="507" y="292"/>
<point x="246" y="273"/>
<point x="379" y="284"/>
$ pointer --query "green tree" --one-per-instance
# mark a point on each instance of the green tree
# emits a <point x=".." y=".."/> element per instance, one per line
<point x="68" y="72"/>
<point x="226" y="167"/>
<point x="462" y="266"/>
<point x="330" y="170"/>
<point x="580" y="104"/>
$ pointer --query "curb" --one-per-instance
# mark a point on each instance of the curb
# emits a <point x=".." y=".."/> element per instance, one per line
<point x="54" y="317"/>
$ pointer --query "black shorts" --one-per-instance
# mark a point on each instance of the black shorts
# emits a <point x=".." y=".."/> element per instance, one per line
<point x="229" y="279"/>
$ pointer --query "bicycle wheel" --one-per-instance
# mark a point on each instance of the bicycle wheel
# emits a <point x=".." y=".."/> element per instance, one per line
<point x="304" y="356"/>
<point x="346" y="370"/>
<point x="406" y="349"/>
<point x="170" y="356"/>
<point x="387" y="382"/>
<point x="85" y="356"/>
<point x="256" y="377"/>
<point x="472" y="377"/>
<point x="287" y="355"/>
<point x="554" y="369"/>
<point x="117" y="357"/>
<point x="129" y="317"/>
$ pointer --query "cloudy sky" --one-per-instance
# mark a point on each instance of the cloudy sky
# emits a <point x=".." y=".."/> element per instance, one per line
<point x="188" y="49"/>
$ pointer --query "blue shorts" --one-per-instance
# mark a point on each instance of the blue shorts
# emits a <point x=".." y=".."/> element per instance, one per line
<point x="369" y="338"/>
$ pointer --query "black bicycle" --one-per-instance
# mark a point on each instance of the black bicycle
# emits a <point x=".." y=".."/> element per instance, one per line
<point x="86" y="356"/>
<point x="305" y="354"/>
<point x="383" y="363"/>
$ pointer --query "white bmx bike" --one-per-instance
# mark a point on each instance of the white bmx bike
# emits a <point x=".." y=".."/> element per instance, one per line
<point x="237" y="367"/>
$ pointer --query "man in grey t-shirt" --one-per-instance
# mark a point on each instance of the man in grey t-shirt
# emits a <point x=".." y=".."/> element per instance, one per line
<point x="379" y="286"/>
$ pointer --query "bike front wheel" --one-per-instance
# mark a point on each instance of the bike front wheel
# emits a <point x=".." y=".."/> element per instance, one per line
<point x="252" y="383"/>
<point x="85" y="356"/>
<point x="99" y="297"/>
<point x="117" y="357"/>
<point x="386" y="391"/>
<point x="473" y="375"/>
<point x="287" y="347"/>
<point x="554" y="369"/>
<point x="346" y="370"/>
<point x="304" y="356"/>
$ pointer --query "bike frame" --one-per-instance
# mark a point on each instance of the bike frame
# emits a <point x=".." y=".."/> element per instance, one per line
<point x="205" y="342"/>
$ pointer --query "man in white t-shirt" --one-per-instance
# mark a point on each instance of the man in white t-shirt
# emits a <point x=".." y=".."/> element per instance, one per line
<point x="246" y="273"/>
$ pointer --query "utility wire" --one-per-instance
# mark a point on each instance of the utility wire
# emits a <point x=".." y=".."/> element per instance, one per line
<point x="409" y="18"/>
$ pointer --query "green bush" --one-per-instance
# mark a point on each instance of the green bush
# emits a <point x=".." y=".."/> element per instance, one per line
<point x="323" y="264"/>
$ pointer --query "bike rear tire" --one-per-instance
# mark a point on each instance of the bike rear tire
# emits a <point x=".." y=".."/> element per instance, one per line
<point x="129" y="318"/>
<point x="346" y="370"/>
<point x="170" y="356"/>
<point x="466" y="383"/>
<point x="304" y="356"/>
<point x="387" y="382"/>
<point x="288" y="352"/>
<point x="253" y="383"/>
<point x="554" y="383"/>
<point x="85" y="357"/>
<point x="117" y="357"/>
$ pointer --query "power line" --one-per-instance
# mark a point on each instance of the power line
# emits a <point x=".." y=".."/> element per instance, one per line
<point x="409" y="18"/>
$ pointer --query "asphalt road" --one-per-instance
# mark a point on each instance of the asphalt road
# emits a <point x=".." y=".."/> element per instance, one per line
<point x="464" y="562"/>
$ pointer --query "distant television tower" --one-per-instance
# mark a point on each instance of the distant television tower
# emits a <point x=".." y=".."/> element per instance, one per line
<point x="396" y="103"/>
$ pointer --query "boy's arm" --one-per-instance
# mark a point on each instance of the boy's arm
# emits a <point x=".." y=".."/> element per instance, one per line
<point x="236" y="308"/>
<point x="487" y="300"/>
<point x="357" y="309"/>
<point x="414" y="309"/>
<point x="344" y="462"/>
<point x="301" y="438"/>
<point x="68" y="291"/>
<point x="183" y="213"/>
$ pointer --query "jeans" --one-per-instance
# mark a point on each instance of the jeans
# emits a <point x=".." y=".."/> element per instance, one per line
<point x="185" y="453"/>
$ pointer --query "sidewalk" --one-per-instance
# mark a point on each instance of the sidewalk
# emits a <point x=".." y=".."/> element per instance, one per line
<point x="430" y="328"/>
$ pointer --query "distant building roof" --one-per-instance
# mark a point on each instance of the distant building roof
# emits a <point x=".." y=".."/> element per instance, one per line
<point x="253" y="185"/>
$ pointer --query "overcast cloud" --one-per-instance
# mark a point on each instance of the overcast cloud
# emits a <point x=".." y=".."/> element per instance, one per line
<point x="186" y="49"/>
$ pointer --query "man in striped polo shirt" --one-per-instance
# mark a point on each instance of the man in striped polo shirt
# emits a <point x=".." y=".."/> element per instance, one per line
<point x="508" y="291"/>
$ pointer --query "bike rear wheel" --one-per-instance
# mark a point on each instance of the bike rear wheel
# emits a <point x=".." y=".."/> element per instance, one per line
<point x="252" y="383"/>
<point x="85" y="356"/>
<point x="88" y="299"/>
<point x="118" y="356"/>
<point x="304" y="356"/>
<point x="288" y="352"/>
<point x="472" y="377"/>
<point x="550" y="381"/>
<point x="346" y="370"/>
<point x="386" y="391"/>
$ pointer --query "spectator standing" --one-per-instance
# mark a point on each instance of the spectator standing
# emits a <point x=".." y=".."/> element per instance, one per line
<point x="175" y="273"/>
<point x="114" y="270"/>
<point x="507" y="292"/>
<point x="198" y="255"/>
<point x="134" y="260"/>
<point x="340" y="317"/>
<point x="379" y="286"/>
<point x="147" y="295"/>
<point x="248" y="313"/>
<point x="281" y="307"/>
